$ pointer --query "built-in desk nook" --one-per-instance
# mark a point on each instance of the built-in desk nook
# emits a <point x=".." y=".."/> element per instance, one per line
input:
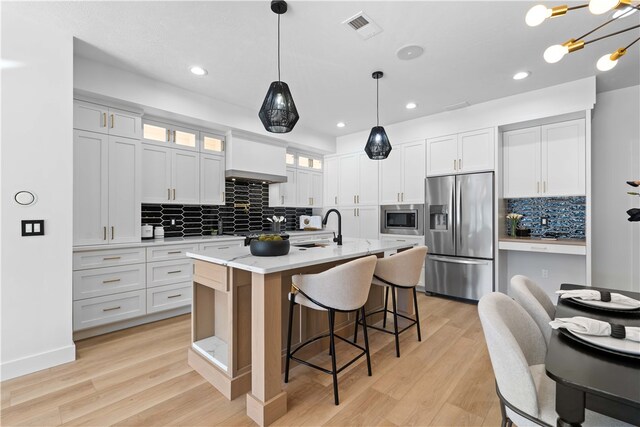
<point x="239" y="324"/>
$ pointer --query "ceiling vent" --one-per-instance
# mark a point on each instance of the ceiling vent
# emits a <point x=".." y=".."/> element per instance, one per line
<point x="456" y="106"/>
<point x="363" y="25"/>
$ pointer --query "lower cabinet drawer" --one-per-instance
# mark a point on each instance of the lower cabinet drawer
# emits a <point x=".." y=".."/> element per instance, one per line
<point x="169" y="296"/>
<point x="169" y="272"/>
<point x="107" y="258"/>
<point x="106" y="281"/>
<point x="112" y="308"/>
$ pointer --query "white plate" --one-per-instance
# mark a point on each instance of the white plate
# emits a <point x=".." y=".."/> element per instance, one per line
<point x="603" y="304"/>
<point x="624" y="346"/>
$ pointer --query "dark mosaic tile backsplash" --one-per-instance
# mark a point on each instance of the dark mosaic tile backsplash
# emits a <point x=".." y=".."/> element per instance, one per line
<point x="567" y="215"/>
<point x="198" y="220"/>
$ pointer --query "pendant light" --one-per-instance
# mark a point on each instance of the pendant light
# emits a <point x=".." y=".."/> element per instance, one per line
<point x="378" y="146"/>
<point x="278" y="113"/>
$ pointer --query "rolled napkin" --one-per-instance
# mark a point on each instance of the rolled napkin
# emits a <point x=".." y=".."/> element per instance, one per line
<point x="593" y="295"/>
<point x="584" y="325"/>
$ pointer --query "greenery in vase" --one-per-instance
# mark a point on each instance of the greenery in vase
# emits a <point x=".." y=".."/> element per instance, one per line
<point x="514" y="218"/>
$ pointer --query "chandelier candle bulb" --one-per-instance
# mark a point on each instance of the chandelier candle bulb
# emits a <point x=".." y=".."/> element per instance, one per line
<point x="598" y="7"/>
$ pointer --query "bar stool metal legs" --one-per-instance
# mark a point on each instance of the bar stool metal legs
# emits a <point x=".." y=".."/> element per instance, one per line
<point x="331" y="313"/>
<point x="394" y="304"/>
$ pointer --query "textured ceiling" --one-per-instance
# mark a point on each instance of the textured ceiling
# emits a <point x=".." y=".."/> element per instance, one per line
<point x="472" y="49"/>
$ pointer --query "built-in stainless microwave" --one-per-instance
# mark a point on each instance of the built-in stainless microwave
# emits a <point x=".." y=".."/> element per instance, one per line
<point x="402" y="219"/>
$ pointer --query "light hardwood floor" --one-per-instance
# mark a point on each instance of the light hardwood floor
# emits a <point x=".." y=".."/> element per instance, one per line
<point x="140" y="377"/>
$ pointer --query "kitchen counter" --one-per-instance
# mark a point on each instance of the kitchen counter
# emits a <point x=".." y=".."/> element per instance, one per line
<point x="536" y="244"/>
<point x="188" y="239"/>
<point x="239" y="317"/>
<point x="242" y="259"/>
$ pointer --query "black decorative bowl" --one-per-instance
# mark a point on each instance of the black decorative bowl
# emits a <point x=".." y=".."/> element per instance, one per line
<point x="269" y="247"/>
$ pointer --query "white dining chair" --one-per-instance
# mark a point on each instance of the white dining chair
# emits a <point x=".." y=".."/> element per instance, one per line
<point x="517" y="351"/>
<point x="344" y="288"/>
<point x="535" y="301"/>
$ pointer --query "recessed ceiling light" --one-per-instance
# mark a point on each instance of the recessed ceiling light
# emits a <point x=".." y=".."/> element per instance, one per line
<point x="521" y="75"/>
<point x="411" y="105"/>
<point x="341" y="124"/>
<point x="198" y="71"/>
<point x="409" y="52"/>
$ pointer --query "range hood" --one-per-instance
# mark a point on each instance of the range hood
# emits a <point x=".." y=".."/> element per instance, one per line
<point x="252" y="159"/>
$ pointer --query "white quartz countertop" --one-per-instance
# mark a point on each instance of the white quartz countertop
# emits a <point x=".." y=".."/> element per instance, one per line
<point x="242" y="259"/>
<point x="187" y="240"/>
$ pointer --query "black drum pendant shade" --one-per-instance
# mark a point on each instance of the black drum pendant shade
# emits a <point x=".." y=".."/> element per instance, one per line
<point x="278" y="113"/>
<point x="378" y="146"/>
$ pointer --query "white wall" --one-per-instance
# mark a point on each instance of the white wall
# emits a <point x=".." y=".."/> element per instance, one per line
<point x="36" y="154"/>
<point x="97" y="78"/>
<point x="616" y="159"/>
<point x="566" y="98"/>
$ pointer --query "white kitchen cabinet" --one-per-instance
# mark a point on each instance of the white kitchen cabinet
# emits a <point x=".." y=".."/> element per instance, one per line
<point x="360" y="222"/>
<point x="563" y="159"/>
<point x="357" y="180"/>
<point x="521" y="159"/>
<point x="545" y="161"/>
<point x="167" y="297"/>
<point x="185" y="176"/>
<point x="212" y="179"/>
<point x="91" y="312"/>
<point x="309" y="188"/>
<point x="331" y="168"/>
<point x="124" y="190"/>
<point x="461" y="153"/>
<point x="285" y="193"/>
<point x="102" y="119"/>
<point x="402" y="175"/>
<point x="90" y="188"/>
<point x="106" y="189"/>
<point x="170" y="176"/>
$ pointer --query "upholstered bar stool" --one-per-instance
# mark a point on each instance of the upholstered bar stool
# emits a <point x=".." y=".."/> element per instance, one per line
<point x="344" y="288"/>
<point x="400" y="271"/>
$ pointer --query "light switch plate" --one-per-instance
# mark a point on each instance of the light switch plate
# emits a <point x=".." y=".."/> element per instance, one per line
<point x="32" y="227"/>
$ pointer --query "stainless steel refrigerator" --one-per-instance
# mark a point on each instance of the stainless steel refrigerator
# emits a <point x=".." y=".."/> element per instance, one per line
<point x="459" y="220"/>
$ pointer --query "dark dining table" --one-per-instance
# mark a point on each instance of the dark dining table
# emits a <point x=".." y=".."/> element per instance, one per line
<point x="592" y="378"/>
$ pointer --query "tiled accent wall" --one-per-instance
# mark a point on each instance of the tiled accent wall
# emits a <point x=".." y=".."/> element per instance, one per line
<point x="567" y="215"/>
<point x="197" y="220"/>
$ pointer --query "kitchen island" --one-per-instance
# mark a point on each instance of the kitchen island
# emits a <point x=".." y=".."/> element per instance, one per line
<point x="237" y="317"/>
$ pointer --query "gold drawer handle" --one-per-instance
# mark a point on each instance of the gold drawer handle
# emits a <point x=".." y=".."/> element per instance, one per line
<point x="173" y="272"/>
<point x="223" y="247"/>
<point x="110" y="258"/>
<point x="111" y="309"/>
<point x="174" y="296"/>
<point x="174" y="252"/>
<point x="111" y="281"/>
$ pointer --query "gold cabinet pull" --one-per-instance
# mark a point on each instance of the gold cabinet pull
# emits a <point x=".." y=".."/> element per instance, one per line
<point x="113" y="121"/>
<point x="174" y="194"/>
<point x="354" y="199"/>
<point x="104" y="120"/>
<point x="112" y="232"/>
<point x="110" y="258"/>
<point x="174" y="272"/>
<point x="168" y="135"/>
<point x="282" y="200"/>
<point x="544" y="186"/>
<point x="335" y="200"/>
<point x="537" y="186"/>
<point x="223" y="199"/>
<point x="104" y="233"/>
<point x="174" y="296"/>
<point x="111" y="281"/>
<point x="354" y="211"/>
<point x="111" y="309"/>
<point x="168" y="194"/>
<point x="174" y="252"/>
<point x="223" y="247"/>
<point x="174" y="136"/>
<point x="454" y="164"/>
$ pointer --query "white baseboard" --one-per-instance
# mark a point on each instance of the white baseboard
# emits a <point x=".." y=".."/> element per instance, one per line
<point x="37" y="362"/>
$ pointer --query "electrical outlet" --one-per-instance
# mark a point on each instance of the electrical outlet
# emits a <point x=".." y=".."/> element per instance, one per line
<point x="544" y="221"/>
<point x="545" y="273"/>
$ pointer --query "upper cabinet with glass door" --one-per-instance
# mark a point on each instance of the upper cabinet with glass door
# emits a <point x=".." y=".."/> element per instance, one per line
<point x="166" y="134"/>
<point x="211" y="143"/>
<point x="308" y="162"/>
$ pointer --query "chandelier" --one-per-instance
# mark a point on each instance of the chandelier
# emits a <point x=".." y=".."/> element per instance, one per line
<point x="538" y="14"/>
